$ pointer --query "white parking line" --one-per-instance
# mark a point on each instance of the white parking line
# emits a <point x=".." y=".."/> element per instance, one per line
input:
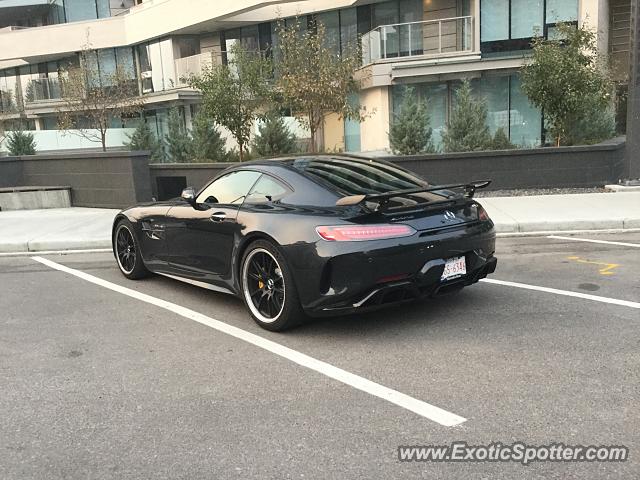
<point x="568" y="293"/>
<point x="423" y="409"/>
<point x="56" y="252"/>
<point x="607" y="242"/>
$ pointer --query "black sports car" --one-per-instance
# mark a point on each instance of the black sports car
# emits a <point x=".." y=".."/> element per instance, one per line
<point x="312" y="235"/>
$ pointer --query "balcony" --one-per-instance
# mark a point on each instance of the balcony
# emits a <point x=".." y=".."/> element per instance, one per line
<point x="429" y="38"/>
<point x="194" y="65"/>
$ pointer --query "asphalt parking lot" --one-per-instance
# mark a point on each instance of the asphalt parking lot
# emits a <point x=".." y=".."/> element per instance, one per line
<point x="101" y="383"/>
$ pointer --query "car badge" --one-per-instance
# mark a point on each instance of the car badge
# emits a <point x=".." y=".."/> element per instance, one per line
<point x="449" y="216"/>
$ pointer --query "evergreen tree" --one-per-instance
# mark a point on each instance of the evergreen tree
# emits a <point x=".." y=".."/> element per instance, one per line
<point x="207" y="143"/>
<point x="21" y="143"/>
<point x="409" y="132"/>
<point x="501" y="141"/>
<point x="467" y="131"/>
<point x="143" y="139"/>
<point x="274" y="137"/>
<point x="177" y="138"/>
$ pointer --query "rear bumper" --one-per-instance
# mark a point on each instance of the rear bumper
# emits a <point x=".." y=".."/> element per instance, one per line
<point x="408" y="290"/>
<point x="372" y="276"/>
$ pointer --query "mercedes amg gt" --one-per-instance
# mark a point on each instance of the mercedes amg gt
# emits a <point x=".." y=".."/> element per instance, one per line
<point x="312" y="235"/>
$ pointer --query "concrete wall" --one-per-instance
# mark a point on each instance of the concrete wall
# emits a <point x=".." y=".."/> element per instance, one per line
<point x="374" y="130"/>
<point x="106" y="180"/>
<point x="584" y="166"/>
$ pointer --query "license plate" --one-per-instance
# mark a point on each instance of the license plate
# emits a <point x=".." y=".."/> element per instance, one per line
<point x="454" y="267"/>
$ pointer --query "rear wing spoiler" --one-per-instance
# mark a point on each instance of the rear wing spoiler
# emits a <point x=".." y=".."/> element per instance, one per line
<point x="382" y="198"/>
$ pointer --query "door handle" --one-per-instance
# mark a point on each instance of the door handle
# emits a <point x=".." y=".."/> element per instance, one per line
<point x="218" y="216"/>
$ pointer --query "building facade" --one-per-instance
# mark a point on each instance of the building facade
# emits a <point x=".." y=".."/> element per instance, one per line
<point x="430" y="45"/>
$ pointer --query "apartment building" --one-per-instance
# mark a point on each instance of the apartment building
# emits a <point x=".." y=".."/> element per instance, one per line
<point x="428" y="44"/>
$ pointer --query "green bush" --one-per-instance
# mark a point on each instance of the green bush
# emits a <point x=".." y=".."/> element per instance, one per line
<point x="207" y="144"/>
<point x="409" y="133"/>
<point x="21" y="143"/>
<point x="177" y="139"/>
<point x="501" y="141"/>
<point x="467" y="131"/>
<point x="592" y="124"/>
<point x="143" y="139"/>
<point x="274" y="137"/>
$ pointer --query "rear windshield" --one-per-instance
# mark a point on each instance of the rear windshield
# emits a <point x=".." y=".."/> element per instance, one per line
<point x="357" y="177"/>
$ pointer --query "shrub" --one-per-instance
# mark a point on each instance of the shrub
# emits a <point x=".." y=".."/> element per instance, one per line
<point x="143" y="139"/>
<point x="274" y="137"/>
<point x="207" y="143"/>
<point x="501" y="141"/>
<point x="592" y="124"/>
<point x="21" y="143"/>
<point x="467" y="131"/>
<point x="177" y="138"/>
<point x="409" y="132"/>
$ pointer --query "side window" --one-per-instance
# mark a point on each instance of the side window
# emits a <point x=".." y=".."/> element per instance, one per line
<point x="230" y="189"/>
<point x="267" y="189"/>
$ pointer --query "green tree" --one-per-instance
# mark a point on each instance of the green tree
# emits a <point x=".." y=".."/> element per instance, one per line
<point x="312" y="79"/>
<point x="143" y="138"/>
<point x="21" y="143"/>
<point x="410" y="133"/>
<point x="501" y="141"/>
<point x="274" y="137"/>
<point x="233" y="94"/>
<point x="207" y="143"/>
<point x="567" y="79"/>
<point x="177" y="139"/>
<point x="467" y="131"/>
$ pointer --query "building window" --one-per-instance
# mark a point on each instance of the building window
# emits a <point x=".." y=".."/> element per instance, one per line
<point x="509" y="25"/>
<point x="507" y="107"/>
<point x="79" y="10"/>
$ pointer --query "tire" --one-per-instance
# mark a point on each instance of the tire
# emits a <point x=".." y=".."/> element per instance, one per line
<point x="127" y="251"/>
<point x="268" y="288"/>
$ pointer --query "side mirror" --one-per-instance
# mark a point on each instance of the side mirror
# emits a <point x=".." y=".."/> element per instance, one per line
<point x="189" y="195"/>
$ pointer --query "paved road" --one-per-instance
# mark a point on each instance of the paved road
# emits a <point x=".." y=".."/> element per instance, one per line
<point x="97" y="384"/>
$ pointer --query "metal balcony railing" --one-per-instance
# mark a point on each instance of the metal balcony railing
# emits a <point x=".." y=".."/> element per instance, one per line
<point x="427" y="38"/>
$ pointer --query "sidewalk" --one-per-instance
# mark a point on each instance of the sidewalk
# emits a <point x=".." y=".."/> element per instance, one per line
<point x="72" y="228"/>
<point x="90" y="228"/>
<point x="552" y="213"/>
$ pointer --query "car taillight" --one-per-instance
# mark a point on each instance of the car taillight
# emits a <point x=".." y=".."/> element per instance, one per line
<point x="482" y="214"/>
<point x="352" y="233"/>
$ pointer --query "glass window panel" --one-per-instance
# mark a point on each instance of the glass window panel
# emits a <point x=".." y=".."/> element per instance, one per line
<point x="526" y="18"/>
<point x="125" y="62"/>
<point x="230" y="189"/>
<point x="267" y="189"/>
<point x="107" y="61"/>
<point x="348" y="28"/>
<point x="562" y="11"/>
<point x="494" y="20"/>
<point x="435" y="96"/>
<point x="411" y="34"/>
<point x="249" y="38"/>
<point x="493" y="89"/>
<point x="331" y="23"/>
<point x="352" y="128"/>
<point x="386" y="14"/>
<point x="78" y="10"/>
<point x="525" y="119"/>
<point x="103" y="8"/>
